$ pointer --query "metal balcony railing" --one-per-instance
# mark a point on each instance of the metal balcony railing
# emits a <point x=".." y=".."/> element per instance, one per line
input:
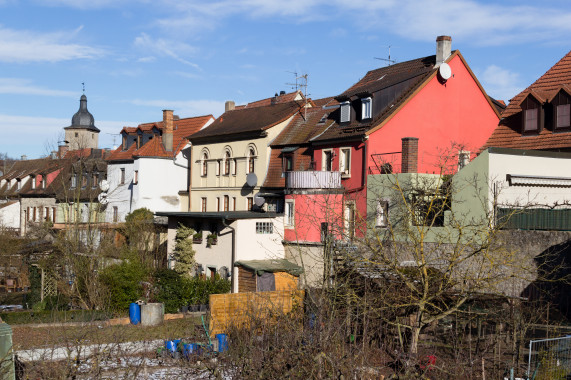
<point x="311" y="179"/>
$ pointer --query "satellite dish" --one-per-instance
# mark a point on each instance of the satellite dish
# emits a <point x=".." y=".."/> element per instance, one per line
<point x="444" y="71"/>
<point x="259" y="200"/>
<point x="104" y="185"/>
<point x="102" y="198"/>
<point x="252" y="179"/>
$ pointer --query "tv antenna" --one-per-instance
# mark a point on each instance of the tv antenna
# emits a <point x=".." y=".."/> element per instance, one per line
<point x="83" y="86"/>
<point x="114" y="137"/>
<point x="300" y="85"/>
<point x="388" y="60"/>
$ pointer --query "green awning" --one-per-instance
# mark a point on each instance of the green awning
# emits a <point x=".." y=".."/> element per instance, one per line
<point x="289" y="149"/>
<point x="277" y="265"/>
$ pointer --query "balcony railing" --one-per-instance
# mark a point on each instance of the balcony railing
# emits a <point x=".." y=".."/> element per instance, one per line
<point x="313" y="179"/>
<point x="386" y="163"/>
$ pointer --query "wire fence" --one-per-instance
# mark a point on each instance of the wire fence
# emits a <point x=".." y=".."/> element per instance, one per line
<point x="549" y="359"/>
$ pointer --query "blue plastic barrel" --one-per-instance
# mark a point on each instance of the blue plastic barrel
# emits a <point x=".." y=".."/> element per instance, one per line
<point x="222" y="342"/>
<point x="190" y="349"/>
<point x="135" y="313"/>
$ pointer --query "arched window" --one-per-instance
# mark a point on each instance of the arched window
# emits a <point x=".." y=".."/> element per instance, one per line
<point x="251" y="160"/>
<point x="227" y="156"/>
<point x="204" y="164"/>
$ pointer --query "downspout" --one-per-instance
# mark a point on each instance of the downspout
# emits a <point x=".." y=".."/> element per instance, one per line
<point x="364" y="178"/>
<point x="232" y="281"/>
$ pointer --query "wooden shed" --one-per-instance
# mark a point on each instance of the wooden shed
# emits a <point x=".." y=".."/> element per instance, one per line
<point x="267" y="275"/>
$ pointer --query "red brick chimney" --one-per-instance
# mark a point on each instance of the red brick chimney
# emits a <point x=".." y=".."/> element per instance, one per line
<point x="168" y="131"/>
<point x="409" y="155"/>
<point x="62" y="150"/>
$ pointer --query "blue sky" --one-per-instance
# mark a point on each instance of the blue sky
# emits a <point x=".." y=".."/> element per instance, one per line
<point x="138" y="57"/>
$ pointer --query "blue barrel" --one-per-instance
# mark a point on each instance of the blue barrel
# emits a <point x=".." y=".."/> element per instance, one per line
<point x="222" y="342"/>
<point x="135" y="313"/>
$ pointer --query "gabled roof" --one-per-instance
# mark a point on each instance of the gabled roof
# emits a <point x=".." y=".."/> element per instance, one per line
<point x="508" y="133"/>
<point x="154" y="147"/>
<point x="248" y="120"/>
<point x="292" y="96"/>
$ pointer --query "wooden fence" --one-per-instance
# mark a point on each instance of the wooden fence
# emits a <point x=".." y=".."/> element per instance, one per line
<point x="237" y="308"/>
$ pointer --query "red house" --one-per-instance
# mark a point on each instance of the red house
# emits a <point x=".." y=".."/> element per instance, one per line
<point x="427" y="110"/>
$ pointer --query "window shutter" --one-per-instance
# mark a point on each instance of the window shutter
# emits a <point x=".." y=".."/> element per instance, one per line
<point x="345" y="112"/>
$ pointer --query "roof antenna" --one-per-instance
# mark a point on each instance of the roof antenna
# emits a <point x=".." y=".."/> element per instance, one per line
<point x="388" y="60"/>
<point x="300" y="85"/>
<point x="83" y="85"/>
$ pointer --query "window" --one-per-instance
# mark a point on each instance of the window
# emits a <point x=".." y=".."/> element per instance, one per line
<point x="19" y="183"/>
<point x="73" y="181"/>
<point x="264" y="228"/>
<point x="531" y="121"/>
<point x="428" y="209"/>
<point x="273" y="205"/>
<point x="122" y="180"/>
<point x="35" y="210"/>
<point x="226" y="203"/>
<point x="324" y="231"/>
<point x="115" y="214"/>
<point x="233" y="203"/>
<point x="349" y="216"/>
<point x="563" y="116"/>
<point x="382" y="214"/>
<point x="287" y="162"/>
<point x="136" y="177"/>
<point x="76" y="134"/>
<point x="204" y="164"/>
<point x="366" y="106"/>
<point x="94" y="180"/>
<point x="289" y="214"/>
<point x="84" y="181"/>
<point x="345" y="112"/>
<point x="250" y="203"/>
<point x="234" y="166"/>
<point x="345" y="161"/>
<point x="47" y="213"/>
<point x="251" y="160"/>
<point x="217" y="203"/>
<point x="327" y="164"/>
<point x="463" y="158"/>
<point x="53" y="214"/>
<point x="203" y="205"/>
<point x="139" y="141"/>
<point x="227" y="163"/>
<point x="212" y="272"/>
<point x="43" y="182"/>
<point x="33" y="179"/>
<point x="218" y="167"/>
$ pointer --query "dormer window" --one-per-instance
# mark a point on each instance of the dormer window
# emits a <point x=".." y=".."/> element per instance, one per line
<point x="73" y="181"/>
<point x="531" y="120"/>
<point x="19" y="184"/>
<point x="124" y="144"/>
<point x="33" y="180"/>
<point x="345" y="112"/>
<point x="366" y="108"/>
<point x="563" y="116"/>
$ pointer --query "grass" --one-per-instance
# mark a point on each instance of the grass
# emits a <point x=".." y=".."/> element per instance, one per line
<point x="25" y="337"/>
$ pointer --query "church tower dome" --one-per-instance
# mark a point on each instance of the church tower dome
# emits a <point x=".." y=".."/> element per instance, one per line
<point x="82" y="133"/>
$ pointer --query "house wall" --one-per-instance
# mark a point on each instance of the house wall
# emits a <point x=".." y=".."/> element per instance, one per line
<point x="84" y="139"/>
<point x="119" y="195"/>
<point x="10" y="214"/>
<point x="440" y="115"/>
<point x="213" y="186"/>
<point x="159" y="181"/>
<point x="310" y="258"/>
<point x="27" y="205"/>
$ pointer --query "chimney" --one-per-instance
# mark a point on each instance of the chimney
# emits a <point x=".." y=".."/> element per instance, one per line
<point x="229" y="105"/>
<point x="24" y="157"/>
<point x="167" y="133"/>
<point x="62" y="150"/>
<point x="443" y="49"/>
<point x="409" y="155"/>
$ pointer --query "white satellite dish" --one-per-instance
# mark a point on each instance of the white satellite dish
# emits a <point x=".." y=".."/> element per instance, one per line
<point x="252" y="179"/>
<point x="104" y="185"/>
<point x="444" y="71"/>
<point x="259" y="200"/>
<point x="102" y="198"/>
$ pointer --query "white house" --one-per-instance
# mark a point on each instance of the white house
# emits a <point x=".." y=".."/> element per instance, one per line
<point x="150" y="168"/>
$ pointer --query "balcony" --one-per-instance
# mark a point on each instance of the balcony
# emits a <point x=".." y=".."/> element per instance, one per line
<point x="386" y="163"/>
<point x="313" y="179"/>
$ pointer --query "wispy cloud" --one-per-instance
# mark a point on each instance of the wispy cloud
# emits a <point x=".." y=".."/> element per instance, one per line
<point x="184" y="107"/>
<point x="20" y="86"/>
<point x="29" y="46"/>
<point x="147" y="59"/>
<point x="168" y="48"/>
<point x="501" y="83"/>
<point x="83" y="4"/>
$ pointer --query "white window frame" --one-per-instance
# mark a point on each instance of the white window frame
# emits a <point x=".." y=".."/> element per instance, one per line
<point x="323" y="159"/>
<point x="204" y="164"/>
<point x="349" y="235"/>
<point x="382" y="213"/>
<point x="366" y="108"/>
<point x="264" y="228"/>
<point x="289" y="213"/>
<point x="345" y="112"/>
<point x="343" y="152"/>
<point x="218" y="163"/>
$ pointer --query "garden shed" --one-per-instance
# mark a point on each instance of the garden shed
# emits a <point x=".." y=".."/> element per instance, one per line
<point x="267" y="275"/>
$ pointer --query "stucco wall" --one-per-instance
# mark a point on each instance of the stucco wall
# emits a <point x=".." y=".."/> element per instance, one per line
<point x="10" y="214"/>
<point x="119" y="195"/>
<point x="84" y="139"/>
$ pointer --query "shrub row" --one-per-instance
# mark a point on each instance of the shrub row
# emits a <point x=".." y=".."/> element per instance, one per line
<point x="24" y="317"/>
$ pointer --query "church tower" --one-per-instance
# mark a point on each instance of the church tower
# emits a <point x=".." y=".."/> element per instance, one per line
<point x="82" y="133"/>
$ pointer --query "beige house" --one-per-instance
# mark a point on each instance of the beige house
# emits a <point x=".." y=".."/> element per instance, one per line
<point x="230" y="158"/>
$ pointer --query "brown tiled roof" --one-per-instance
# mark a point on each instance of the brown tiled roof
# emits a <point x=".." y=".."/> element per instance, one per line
<point x="508" y="133"/>
<point x="154" y="148"/>
<point x="306" y="124"/>
<point x="244" y="120"/>
<point x="274" y="100"/>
